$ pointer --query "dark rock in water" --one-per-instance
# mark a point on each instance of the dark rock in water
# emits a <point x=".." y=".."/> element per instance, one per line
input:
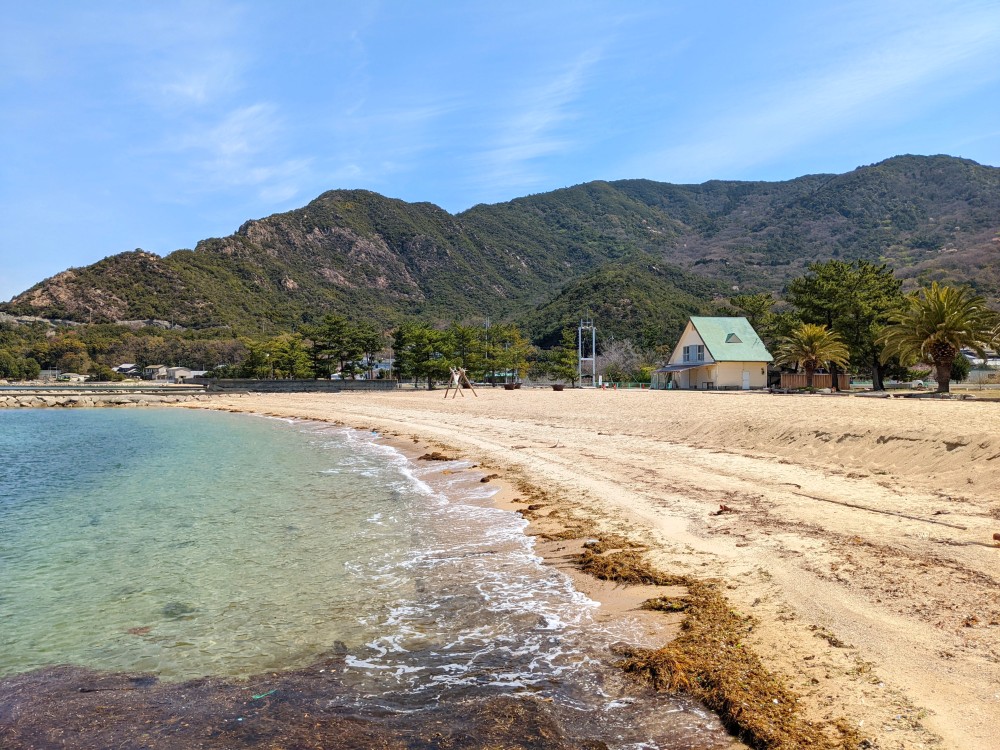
<point x="176" y="610"/>
<point x="309" y="707"/>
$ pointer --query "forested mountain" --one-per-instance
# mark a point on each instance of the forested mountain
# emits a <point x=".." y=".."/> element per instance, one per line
<point x="635" y="252"/>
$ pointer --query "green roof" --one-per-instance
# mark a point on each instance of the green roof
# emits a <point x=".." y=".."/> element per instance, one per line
<point x="731" y="340"/>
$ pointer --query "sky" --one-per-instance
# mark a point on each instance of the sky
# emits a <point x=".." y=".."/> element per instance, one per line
<point x="157" y="124"/>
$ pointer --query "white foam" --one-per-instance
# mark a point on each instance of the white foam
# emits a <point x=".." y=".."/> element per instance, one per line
<point x="468" y="602"/>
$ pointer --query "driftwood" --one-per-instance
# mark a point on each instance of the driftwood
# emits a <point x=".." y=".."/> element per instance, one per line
<point x="878" y="510"/>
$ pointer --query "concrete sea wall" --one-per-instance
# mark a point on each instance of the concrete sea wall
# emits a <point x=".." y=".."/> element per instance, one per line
<point x="294" y="386"/>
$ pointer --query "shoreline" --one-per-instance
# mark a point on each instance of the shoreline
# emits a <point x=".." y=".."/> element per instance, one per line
<point x="80" y="707"/>
<point x="561" y="543"/>
<point x="855" y="531"/>
<point x="616" y="600"/>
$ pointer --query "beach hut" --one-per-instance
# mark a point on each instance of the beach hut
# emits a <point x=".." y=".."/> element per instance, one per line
<point x="716" y="354"/>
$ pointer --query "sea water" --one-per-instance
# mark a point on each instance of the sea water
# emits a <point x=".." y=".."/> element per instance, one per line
<point x="186" y="543"/>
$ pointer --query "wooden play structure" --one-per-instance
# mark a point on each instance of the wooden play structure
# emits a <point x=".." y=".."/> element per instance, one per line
<point x="459" y="379"/>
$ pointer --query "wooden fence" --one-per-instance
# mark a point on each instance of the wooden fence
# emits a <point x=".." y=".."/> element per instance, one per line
<point x="820" y="380"/>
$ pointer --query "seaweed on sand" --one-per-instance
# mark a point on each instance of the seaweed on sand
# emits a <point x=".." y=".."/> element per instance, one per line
<point x="710" y="661"/>
<point x="627" y="566"/>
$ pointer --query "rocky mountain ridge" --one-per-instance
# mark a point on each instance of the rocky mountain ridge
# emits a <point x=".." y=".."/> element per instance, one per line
<point x="364" y="255"/>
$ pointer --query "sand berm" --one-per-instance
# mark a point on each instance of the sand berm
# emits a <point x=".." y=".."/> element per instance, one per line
<point x="857" y="532"/>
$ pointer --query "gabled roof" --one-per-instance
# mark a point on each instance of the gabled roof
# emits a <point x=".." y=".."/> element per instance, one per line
<point x="731" y="340"/>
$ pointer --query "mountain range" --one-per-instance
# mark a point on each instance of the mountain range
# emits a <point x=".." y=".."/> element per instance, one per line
<point x="636" y="255"/>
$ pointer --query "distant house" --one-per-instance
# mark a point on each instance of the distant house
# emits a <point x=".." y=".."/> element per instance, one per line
<point x="182" y="374"/>
<point x="129" y="370"/>
<point x="49" y="374"/>
<point x="154" y="372"/>
<point x="992" y="360"/>
<point x="178" y="374"/>
<point x="716" y="353"/>
<point x="72" y="377"/>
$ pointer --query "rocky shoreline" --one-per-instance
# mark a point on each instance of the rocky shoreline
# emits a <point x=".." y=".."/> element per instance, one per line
<point x="84" y="400"/>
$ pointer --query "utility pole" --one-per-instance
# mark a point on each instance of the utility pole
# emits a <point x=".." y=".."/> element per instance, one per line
<point x="486" y="368"/>
<point x="587" y="351"/>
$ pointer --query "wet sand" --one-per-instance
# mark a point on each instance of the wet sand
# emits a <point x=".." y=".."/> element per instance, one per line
<point x="856" y="531"/>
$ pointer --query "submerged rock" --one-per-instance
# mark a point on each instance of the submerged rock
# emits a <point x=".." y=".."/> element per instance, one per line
<point x="176" y="610"/>
<point x="71" y="707"/>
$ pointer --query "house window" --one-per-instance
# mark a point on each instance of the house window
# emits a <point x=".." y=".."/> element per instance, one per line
<point x="694" y="353"/>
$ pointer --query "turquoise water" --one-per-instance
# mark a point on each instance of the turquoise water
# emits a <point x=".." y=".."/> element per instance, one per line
<point x="186" y="543"/>
<point x="221" y="535"/>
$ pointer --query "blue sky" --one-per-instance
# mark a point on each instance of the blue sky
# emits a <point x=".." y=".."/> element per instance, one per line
<point x="156" y="124"/>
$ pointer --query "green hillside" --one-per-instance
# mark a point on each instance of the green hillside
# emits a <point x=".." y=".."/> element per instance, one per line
<point x="642" y="299"/>
<point x="648" y="245"/>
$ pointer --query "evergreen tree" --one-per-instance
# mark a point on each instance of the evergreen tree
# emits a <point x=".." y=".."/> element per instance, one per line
<point x="469" y="349"/>
<point x="289" y="357"/>
<point x="422" y="352"/>
<point x="856" y="300"/>
<point x="509" y="352"/>
<point x="563" y="360"/>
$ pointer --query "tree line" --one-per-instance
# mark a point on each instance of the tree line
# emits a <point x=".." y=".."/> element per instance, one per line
<point x="839" y="315"/>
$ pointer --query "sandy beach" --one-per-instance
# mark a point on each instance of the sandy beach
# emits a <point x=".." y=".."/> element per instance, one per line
<point x="857" y="532"/>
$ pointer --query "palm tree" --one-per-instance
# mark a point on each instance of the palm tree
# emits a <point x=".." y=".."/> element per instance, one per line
<point x="935" y="325"/>
<point x="812" y="346"/>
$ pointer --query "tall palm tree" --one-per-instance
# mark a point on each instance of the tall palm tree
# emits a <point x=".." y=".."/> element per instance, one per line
<point x="935" y="325"/>
<point x="812" y="346"/>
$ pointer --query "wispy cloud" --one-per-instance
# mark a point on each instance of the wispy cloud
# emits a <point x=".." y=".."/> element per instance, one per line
<point x="183" y="82"/>
<point x="192" y="58"/>
<point x="536" y="128"/>
<point x="367" y="147"/>
<point x="903" y="71"/>
<point x="237" y="151"/>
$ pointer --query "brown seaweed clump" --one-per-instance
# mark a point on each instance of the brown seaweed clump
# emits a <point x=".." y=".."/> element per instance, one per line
<point x="436" y="456"/>
<point x="627" y="566"/>
<point x="711" y="661"/>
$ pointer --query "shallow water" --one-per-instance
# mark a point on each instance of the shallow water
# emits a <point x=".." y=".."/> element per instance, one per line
<point x="189" y="543"/>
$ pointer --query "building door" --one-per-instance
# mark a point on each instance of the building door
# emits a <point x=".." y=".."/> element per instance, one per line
<point x="746" y="380"/>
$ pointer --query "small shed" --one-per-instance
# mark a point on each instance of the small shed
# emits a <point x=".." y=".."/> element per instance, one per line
<point x="723" y="353"/>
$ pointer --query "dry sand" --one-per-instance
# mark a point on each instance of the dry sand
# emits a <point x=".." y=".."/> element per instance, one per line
<point x="859" y="530"/>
